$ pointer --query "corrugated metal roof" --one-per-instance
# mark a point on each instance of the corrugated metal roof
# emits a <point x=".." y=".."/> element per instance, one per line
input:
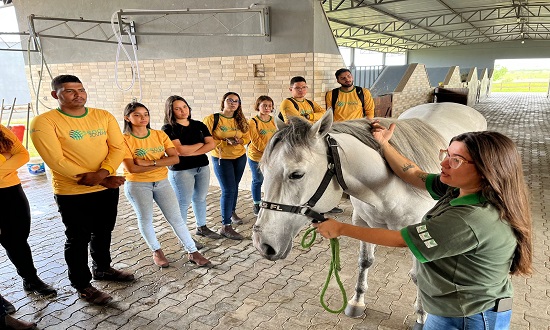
<point x="395" y="26"/>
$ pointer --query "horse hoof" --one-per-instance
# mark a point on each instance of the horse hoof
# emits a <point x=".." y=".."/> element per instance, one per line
<point x="355" y="311"/>
<point x="418" y="326"/>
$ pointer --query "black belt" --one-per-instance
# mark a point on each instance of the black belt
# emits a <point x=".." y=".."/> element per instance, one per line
<point x="503" y="304"/>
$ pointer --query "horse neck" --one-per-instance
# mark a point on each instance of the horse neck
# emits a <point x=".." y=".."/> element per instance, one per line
<point x="365" y="171"/>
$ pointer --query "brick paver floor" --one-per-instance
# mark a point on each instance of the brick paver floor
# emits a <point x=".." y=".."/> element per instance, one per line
<point x="245" y="291"/>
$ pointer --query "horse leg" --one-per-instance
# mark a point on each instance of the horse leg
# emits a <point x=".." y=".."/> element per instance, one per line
<point x="356" y="305"/>
<point x="418" y="308"/>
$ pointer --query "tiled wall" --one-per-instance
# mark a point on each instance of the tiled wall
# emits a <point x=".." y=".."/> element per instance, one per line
<point x="201" y="81"/>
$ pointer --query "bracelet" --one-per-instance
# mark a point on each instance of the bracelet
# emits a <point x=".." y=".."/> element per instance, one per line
<point x="154" y="162"/>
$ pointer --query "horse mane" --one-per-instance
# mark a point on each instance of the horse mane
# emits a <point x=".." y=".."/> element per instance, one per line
<point x="413" y="138"/>
<point x="296" y="136"/>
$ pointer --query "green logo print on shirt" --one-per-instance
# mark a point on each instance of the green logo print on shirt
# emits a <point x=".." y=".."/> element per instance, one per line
<point x="140" y="152"/>
<point x="76" y="134"/>
<point x="79" y="135"/>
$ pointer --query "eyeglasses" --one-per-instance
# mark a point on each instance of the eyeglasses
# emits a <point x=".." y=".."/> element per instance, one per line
<point x="454" y="161"/>
<point x="300" y="88"/>
<point x="231" y="101"/>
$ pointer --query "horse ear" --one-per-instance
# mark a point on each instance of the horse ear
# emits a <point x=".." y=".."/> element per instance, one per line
<point x="323" y="125"/>
<point x="279" y="123"/>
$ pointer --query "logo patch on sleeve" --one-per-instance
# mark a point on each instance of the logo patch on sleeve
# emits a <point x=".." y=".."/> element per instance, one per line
<point x="430" y="244"/>
<point x="421" y="228"/>
<point x="425" y="235"/>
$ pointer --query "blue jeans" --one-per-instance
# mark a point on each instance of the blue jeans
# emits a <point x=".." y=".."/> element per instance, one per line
<point x="229" y="173"/>
<point x="191" y="187"/>
<point x="141" y="195"/>
<point x="482" y="321"/>
<point x="257" y="180"/>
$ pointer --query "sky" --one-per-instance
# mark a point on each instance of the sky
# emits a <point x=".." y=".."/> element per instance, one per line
<point x="8" y="22"/>
<point x="525" y="64"/>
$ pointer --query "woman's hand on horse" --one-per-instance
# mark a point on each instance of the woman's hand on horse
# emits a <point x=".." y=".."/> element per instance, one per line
<point x="329" y="228"/>
<point x="381" y="133"/>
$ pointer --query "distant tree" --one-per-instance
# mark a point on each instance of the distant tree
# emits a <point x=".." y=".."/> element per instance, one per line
<point x="499" y="73"/>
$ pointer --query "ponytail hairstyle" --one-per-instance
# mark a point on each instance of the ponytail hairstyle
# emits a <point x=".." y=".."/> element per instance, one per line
<point x="239" y="117"/>
<point x="131" y="107"/>
<point x="502" y="183"/>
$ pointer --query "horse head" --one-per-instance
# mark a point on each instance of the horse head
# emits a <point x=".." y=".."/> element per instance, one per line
<point x="293" y="165"/>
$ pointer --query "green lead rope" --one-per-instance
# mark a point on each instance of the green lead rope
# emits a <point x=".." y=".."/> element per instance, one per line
<point x="334" y="267"/>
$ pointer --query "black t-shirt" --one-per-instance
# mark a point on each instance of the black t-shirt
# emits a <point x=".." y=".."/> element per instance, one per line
<point x="188" y="135"/>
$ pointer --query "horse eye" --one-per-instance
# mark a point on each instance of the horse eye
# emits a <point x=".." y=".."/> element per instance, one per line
<point x="296" y="176"/>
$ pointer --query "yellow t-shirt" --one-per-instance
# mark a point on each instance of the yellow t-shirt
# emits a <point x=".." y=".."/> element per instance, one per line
<point x="259" y="136"/>
<point x="151" y="147"/>
<point x="8" y="167"/>
<point x="72" y="145"/>
<point x="227" y="128"/>
<point x="348" y="105"/>
<point x="304" y="108"/>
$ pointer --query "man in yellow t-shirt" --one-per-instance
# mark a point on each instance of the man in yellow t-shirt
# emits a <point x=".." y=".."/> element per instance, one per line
<point x="349" y="101"/>
<point x="298" y="105"/>
<point x="83" y="147"/>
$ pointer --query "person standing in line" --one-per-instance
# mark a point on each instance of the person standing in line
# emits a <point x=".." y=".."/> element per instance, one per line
<point x="348" y="101"/>
<point x="476" y="236"/>
<point x="15" y="222"/>
<point x="230" y="131"/>
<point x="262" y="127"/>
<point x="298" y="105"/>
<point x="148" y="153"/>
<point x="190" y="178"/>
<point x="83" y="147"/>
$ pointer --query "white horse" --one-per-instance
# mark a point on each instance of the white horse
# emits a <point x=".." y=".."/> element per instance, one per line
<point x="296" y="158"/>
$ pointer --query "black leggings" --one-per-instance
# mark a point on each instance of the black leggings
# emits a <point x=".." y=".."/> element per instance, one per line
<point x="15" y="226"/>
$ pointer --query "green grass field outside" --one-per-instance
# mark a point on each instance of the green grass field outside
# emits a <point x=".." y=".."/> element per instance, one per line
<point x="518" y="87"/>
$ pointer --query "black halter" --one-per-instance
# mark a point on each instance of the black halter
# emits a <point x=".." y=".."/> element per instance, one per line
<point x="334" y="168"/>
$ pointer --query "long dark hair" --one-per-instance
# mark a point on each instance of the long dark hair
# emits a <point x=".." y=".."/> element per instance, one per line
<point x="169" y="117"/>
<point x="131" y="107"/>
<point x="239" y="117"/>
<point x="498" y="161"/>
<point x="5" y="143"/>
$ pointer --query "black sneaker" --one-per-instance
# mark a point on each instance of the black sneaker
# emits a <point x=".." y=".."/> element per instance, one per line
<point x="336" y="210"/>
<point x="199" y="245"/>
<point x="8" y="306"/>
<point x="39" y="287"/>
<point x="207" y="232"/>
<point x="235" y="219"/>
<point x="256" y="209"/>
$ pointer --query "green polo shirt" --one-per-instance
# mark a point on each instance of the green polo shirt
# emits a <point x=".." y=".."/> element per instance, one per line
<point x="465" y="252"/>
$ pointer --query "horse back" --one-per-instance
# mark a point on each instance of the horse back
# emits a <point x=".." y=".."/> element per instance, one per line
<point x="449" y="119"/>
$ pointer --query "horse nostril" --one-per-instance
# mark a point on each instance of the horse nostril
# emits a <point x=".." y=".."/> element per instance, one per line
<point x="268" y="250"/>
